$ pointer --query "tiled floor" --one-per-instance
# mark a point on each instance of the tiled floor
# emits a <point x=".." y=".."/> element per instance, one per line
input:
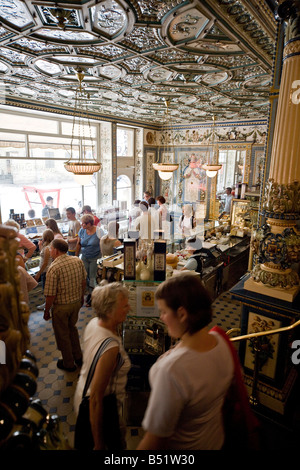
<point x="55" y="388"/>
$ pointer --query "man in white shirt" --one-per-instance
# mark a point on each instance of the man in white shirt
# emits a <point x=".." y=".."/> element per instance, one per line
<point x="228" y="199"/>
<point x="74" y="227"/>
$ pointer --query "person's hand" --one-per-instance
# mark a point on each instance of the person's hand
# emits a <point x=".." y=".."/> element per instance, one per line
<point x="47" y="315"/>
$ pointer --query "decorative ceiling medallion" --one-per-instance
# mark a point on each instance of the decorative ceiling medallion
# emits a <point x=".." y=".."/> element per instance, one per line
<point x="220" y="100"/>
<point x="255" y="82"/>
<point x="158" y="75"/>
<point x="156" y="8"/>
<point x="47" y="67"/>
<point x="213" y="79"/>
<point x="146" y="97"/>
<point x="110" y="95"/>
<point x="111" y="72"/>
<point x="25" y="91"/>
<point x="198" y="112"/>
<point x="187" y="26"/>
<point x="143" y="39"/>
<point x="72" y="37"/>
<point x="110" y="19"/>
<point x="188" y="99"/>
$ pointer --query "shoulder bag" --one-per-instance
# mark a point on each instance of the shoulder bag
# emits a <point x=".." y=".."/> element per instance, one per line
<point x="111" y="430"/>
<point x="242" y="428"/>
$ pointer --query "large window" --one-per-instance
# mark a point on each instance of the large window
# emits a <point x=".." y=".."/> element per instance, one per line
<point x="32" y="154"/>
<point x="125" y="140"/>
<point x="231" y="173"/>
<point x="125" y="166"/>
<point x="12" y="144"/>
<point x="124" y="189"/>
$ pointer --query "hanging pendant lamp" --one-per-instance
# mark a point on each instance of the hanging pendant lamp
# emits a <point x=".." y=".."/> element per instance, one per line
<point x="166" y="169"/>
<point x="82" y="167"/>
<point x="213" y="167"/>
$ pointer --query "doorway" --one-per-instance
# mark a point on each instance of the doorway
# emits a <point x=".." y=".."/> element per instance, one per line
<point x="124" y="190"/>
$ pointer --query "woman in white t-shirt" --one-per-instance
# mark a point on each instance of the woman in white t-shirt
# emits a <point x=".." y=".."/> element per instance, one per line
<point x="190" y="381"/>
<point x="164" y="216"/>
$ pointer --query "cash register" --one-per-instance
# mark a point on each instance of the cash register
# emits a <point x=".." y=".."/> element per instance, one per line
<point x="209" y="254"/>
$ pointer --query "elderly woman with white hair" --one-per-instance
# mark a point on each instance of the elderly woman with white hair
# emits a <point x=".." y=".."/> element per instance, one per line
<point x="110" y="302"/>
<point x="24" y="243"/>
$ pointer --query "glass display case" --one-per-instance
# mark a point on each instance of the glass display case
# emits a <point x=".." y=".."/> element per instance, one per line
<point x="240" y="218"/>
<point x="253" y="198"/>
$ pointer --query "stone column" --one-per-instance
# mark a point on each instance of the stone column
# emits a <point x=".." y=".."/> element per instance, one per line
<point x="278" y="242"/>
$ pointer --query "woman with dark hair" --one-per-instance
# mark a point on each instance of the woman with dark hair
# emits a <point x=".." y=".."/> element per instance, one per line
<point x="52" y="224"/>
<point x="189" y="382"/>
<point x="165" y="216"/>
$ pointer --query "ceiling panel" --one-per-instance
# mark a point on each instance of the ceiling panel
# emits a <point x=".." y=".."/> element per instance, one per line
<point x="207" y="58"/>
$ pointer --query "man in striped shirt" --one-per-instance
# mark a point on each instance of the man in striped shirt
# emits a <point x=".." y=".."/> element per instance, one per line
<point x="64" y="292"/>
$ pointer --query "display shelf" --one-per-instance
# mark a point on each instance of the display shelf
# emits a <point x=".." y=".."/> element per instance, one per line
<point x="240" y="218"/>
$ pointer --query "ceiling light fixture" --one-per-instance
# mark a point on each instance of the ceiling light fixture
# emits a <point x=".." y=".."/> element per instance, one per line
<point x="85" y="165"/>
<point x="166" y="168"/>
<point x="213" y="167"/>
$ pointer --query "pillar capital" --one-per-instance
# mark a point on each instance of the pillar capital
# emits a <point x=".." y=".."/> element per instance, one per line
<point x="289" y="12"/>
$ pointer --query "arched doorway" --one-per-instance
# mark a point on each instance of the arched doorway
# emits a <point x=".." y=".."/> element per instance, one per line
<point x="124" y="191"/>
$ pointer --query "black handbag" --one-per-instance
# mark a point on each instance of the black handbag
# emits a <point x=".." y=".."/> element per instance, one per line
<point x="83" y="439"/>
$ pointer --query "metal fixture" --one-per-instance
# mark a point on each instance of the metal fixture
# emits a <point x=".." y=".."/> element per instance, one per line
<point x="85" y="165"/>
<point x="213" y="167"/>
<point x="166" y="168"/>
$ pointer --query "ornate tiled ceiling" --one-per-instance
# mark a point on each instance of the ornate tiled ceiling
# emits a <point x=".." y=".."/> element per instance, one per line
<point x="206" y="58"/>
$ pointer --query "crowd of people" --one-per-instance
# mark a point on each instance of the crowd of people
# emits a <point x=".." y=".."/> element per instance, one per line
<point x="190" y="382"/>
<point x="185" y="407"/>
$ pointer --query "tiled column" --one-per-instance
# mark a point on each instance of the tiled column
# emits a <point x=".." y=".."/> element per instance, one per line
<point x="278" y="242"/>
